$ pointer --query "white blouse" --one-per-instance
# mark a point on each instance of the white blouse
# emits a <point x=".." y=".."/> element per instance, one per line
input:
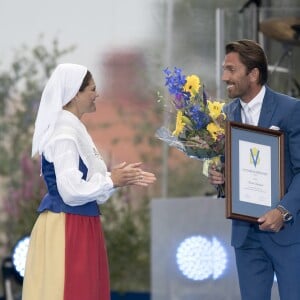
<point x="69" y="141"/>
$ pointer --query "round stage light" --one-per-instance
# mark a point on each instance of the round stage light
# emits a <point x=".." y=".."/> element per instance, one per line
<point x="19" y="254"/>
<point x="198" y="258"/>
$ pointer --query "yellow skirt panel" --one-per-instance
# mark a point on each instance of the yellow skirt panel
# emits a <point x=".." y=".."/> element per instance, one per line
<point x="44" y="279"/>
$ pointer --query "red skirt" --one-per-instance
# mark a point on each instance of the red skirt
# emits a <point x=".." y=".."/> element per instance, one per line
<point x="66" y="259"/>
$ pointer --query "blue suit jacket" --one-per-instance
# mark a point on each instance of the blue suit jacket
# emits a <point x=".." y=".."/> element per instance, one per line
<point x="284" y="112"/>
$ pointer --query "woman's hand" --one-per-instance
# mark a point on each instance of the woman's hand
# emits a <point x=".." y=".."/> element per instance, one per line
<point x="131" y="174"/>
<point x="145" y="179"/>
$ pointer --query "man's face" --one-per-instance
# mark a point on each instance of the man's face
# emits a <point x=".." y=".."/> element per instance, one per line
<point x="236" y="77"/>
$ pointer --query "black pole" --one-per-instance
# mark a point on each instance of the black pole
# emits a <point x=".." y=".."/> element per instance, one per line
<point x="246" y="5"/>
<point x="258" y="4"/>
<point x="7" y="273"/>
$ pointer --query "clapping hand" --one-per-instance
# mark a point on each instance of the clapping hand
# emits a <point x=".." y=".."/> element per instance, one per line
<point x="131" y="174"/>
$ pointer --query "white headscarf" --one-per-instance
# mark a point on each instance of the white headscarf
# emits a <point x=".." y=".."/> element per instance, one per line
<point x="60" y="89"/>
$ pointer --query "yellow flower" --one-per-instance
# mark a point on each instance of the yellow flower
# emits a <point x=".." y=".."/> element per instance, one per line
<point x="216" y="160"/>
<point x="192" y="84"/>
<point x="186" y="120"/>
<point x="214" y="130"/>
<point x="215" y="108"/>
<point x="179" y="123"/>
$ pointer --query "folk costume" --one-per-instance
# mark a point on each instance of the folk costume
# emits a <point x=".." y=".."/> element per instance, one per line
<point x="67" y="257"/>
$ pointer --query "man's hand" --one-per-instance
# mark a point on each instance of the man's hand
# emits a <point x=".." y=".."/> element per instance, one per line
<point x="271" y="221"/>
<point x="215" y="177"/>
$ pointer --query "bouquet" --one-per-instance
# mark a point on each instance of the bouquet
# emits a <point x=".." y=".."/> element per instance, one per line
<point x="199" y="129"/>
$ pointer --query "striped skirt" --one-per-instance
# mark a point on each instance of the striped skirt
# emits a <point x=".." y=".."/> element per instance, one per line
<point x="66" y="259"/>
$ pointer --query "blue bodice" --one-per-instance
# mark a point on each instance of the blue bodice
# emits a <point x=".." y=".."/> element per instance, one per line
<point x="52" y="201"/>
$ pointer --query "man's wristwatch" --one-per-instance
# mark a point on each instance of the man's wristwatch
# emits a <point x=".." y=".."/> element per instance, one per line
<point x="286" y="215"/>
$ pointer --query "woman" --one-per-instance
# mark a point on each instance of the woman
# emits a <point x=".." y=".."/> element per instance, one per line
<point x="67" y="257"/>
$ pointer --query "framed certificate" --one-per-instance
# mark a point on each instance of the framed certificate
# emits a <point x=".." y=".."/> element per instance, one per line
<point x="254" y="170"/>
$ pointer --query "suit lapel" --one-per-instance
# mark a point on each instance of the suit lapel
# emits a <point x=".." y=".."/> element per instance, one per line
<point x="266" y="113"/>
<point x="233" y="111"/>
<point x="267" y="109"/>
<point x="237" y="113"/>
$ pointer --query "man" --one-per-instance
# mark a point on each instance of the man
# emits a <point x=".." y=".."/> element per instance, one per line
<point x="273" y="244"/>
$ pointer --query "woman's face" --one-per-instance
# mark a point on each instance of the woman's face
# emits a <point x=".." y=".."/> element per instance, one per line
<point x="86" y="99"/>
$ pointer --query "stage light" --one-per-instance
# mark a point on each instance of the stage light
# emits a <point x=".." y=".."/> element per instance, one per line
<point x="13" y="267"/>
<point x="198" y="258"/>
<point x="19" y="254"/>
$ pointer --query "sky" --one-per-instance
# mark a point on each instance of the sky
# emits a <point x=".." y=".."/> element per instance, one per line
<point x="93" y="26"/>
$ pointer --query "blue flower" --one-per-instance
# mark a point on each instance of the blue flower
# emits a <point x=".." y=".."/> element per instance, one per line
<point x="174" y="81"/>
<point x="199" y="118"/>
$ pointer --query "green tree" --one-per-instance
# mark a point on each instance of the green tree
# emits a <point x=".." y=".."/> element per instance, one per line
<point x="20" y="91"/>
<point x="127" y="232"/>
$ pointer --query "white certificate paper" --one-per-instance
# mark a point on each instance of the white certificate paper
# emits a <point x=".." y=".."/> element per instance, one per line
<point x="255" y="173"/>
